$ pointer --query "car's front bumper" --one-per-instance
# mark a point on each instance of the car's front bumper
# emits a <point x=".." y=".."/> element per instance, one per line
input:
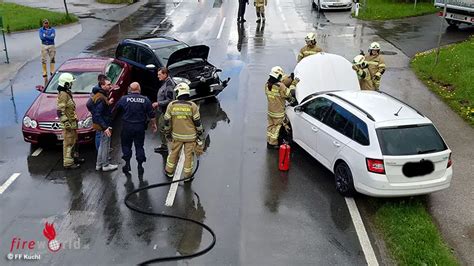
<point x="40" y="136"/>
<point x="335" y="6"/>
<point x="379" y="186"/>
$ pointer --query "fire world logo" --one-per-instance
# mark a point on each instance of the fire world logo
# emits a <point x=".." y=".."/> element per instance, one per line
<point x="50" y="234"/>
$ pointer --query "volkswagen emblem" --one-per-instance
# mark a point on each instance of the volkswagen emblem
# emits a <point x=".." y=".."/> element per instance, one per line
<point x="55" y="126"/>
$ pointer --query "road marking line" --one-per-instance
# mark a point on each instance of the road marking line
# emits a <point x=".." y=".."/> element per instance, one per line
<point x="361" y="233"/>
<point x="37" y="152"/>
<point x="177" y="175"/>
<point x="9" y="181"/>
<point x="221" y="28"/>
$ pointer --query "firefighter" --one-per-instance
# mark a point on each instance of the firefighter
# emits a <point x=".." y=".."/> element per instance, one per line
<point x="277" y="93"/>
<point x="137" y="112"/>
<point x="363" y="73"/>
<point x="310" y="48"/>
<point x="66" y="111"/>
<point x="260" y="9"/>
<point x="183" y="126"/>
<point x="376" y="64"/>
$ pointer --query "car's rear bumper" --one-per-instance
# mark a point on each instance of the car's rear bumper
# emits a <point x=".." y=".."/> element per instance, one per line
<point x="39" y="136"/>
<point x="380" y="187"/>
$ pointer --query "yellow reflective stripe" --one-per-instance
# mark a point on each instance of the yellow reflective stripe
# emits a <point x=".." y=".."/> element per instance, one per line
<point x="277" y="115"/>
<point x="186" y="137"/>
<point x="310" y="52"/>
<point x="382" y="65"/>
<point x="372" y="63"/>
<point x="188" y="170"/>
<point x="170" y="165"/>
<point x="167" y="116"/>
<point x="196" y="116"/>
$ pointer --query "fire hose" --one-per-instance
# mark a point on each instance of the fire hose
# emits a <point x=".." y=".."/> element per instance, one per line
<point x="170" y="216"/>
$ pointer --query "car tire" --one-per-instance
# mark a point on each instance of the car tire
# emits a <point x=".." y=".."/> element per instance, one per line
<point x="344" y="180"/>
<point x="452" y="24"/>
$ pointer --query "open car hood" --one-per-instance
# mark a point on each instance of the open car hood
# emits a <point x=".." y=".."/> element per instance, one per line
<point x="198" y="51"/>
<point x="324" y="72"/>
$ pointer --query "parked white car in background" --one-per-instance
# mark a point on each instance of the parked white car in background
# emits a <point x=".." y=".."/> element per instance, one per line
<point x="372" y="142"/>
<point x="333" y="4"/>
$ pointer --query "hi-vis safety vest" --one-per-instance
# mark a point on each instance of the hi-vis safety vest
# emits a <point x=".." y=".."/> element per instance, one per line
<point x="276" y="97"/>
<point x="184" y="120"/>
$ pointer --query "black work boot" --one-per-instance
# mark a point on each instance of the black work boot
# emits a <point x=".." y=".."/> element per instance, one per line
<point x="126" y="167"/>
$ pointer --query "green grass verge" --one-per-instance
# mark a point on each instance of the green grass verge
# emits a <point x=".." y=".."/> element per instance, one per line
<point x="392" y="9"/>
<point x="409" y="232"/>
<point x="453" y="78"/>
<point x="116" y="1"/>
<point x="18" y="17"/>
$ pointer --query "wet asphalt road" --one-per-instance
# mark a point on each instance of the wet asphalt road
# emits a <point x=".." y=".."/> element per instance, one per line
<point x="260" y="215"/>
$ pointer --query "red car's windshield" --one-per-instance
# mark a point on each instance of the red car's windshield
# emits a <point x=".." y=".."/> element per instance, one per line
<point x="84" y="83"/>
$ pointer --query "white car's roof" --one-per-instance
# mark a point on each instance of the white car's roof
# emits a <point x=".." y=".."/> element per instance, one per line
<point x="383" y="107"/>
<point x="324" y="72"/>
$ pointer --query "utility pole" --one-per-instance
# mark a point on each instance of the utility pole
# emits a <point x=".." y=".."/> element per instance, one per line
<point x="65" y="6"/>
<point x="440" y="31"/>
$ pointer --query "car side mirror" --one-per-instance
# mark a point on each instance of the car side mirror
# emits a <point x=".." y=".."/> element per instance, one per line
<point x="40" y="88"/>
<point x="298" y="109"/>
<point x="150" y="67"/>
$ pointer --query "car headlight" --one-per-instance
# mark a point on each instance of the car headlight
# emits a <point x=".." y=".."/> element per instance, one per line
<point x="87" y="123"/>
<point x="33" y="123"/>
<point x="26" y="121"/>
<point x="178" y="80"/>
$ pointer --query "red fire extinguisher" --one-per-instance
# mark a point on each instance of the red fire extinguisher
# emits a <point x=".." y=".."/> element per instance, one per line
<point x="284" y="158"/>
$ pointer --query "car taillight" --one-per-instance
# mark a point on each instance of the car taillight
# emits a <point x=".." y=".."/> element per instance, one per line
<point x="450" y="162"/>
<point x="375" y="166"/>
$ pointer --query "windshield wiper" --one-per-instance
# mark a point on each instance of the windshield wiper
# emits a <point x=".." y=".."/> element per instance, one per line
<point x="427" y="151"/>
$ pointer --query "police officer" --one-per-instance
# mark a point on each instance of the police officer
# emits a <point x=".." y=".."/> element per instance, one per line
<point x="137" y="111"/>
<point x="376" y="64"/>
<point x="310" y="48"/>
<point x="363" y="73"/>
<point x="66" y="111"/>
<point x="183" y="123"/>
<point x="277" y="94"/>
<point x="164" y="97"/>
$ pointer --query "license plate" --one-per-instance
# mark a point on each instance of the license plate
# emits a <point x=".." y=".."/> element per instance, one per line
<point x="60" y="136"/>
<point x="458" y="17"/>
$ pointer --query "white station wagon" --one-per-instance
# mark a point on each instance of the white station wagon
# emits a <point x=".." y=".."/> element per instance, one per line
<point x="373" y="143"/>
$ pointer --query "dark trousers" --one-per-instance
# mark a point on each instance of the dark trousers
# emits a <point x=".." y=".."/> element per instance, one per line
<point x="241" y="12"/>
<point x="133" y="133"/>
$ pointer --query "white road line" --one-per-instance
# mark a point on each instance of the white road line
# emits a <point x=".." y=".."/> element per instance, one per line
<point x="37" y="152"/>
<point x="361" y="233"/>
<point x="158" y="27"/>
<point x="9" y="181"/>
<point x="221" y="28"/>
<point x="177" y="175"/>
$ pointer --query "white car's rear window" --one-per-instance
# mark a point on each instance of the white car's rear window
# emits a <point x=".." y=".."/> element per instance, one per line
<point x="410" y="140"/>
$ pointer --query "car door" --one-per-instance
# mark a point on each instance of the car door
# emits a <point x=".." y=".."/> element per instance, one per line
<point x="308" y="121"/>
<point x="335" y="132"/>
<point x="148" y="77"/>
<point x="119" y="75"/>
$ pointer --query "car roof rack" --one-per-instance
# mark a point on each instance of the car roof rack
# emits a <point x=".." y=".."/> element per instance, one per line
<point x="395" y="98"/>
<point x="353" y="105"/>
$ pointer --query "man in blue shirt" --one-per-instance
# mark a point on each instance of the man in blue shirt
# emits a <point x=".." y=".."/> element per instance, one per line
<point x="137" y="112"/>
<point x="47" y="35"/>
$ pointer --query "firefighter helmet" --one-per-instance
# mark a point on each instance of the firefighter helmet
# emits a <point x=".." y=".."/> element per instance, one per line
<point x="359" y="60"/>
<point x="277" y="72"/>
<point x="182" y="89"/>
<point x="374" y="46"/>
<point x="310" y="38"/>
<point x="66" y="79"/>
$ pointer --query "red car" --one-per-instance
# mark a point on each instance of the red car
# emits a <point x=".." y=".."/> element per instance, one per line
<point x="41" y="123"/>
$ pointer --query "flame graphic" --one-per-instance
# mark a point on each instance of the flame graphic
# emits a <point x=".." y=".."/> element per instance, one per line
<point x="49" y="231"/>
